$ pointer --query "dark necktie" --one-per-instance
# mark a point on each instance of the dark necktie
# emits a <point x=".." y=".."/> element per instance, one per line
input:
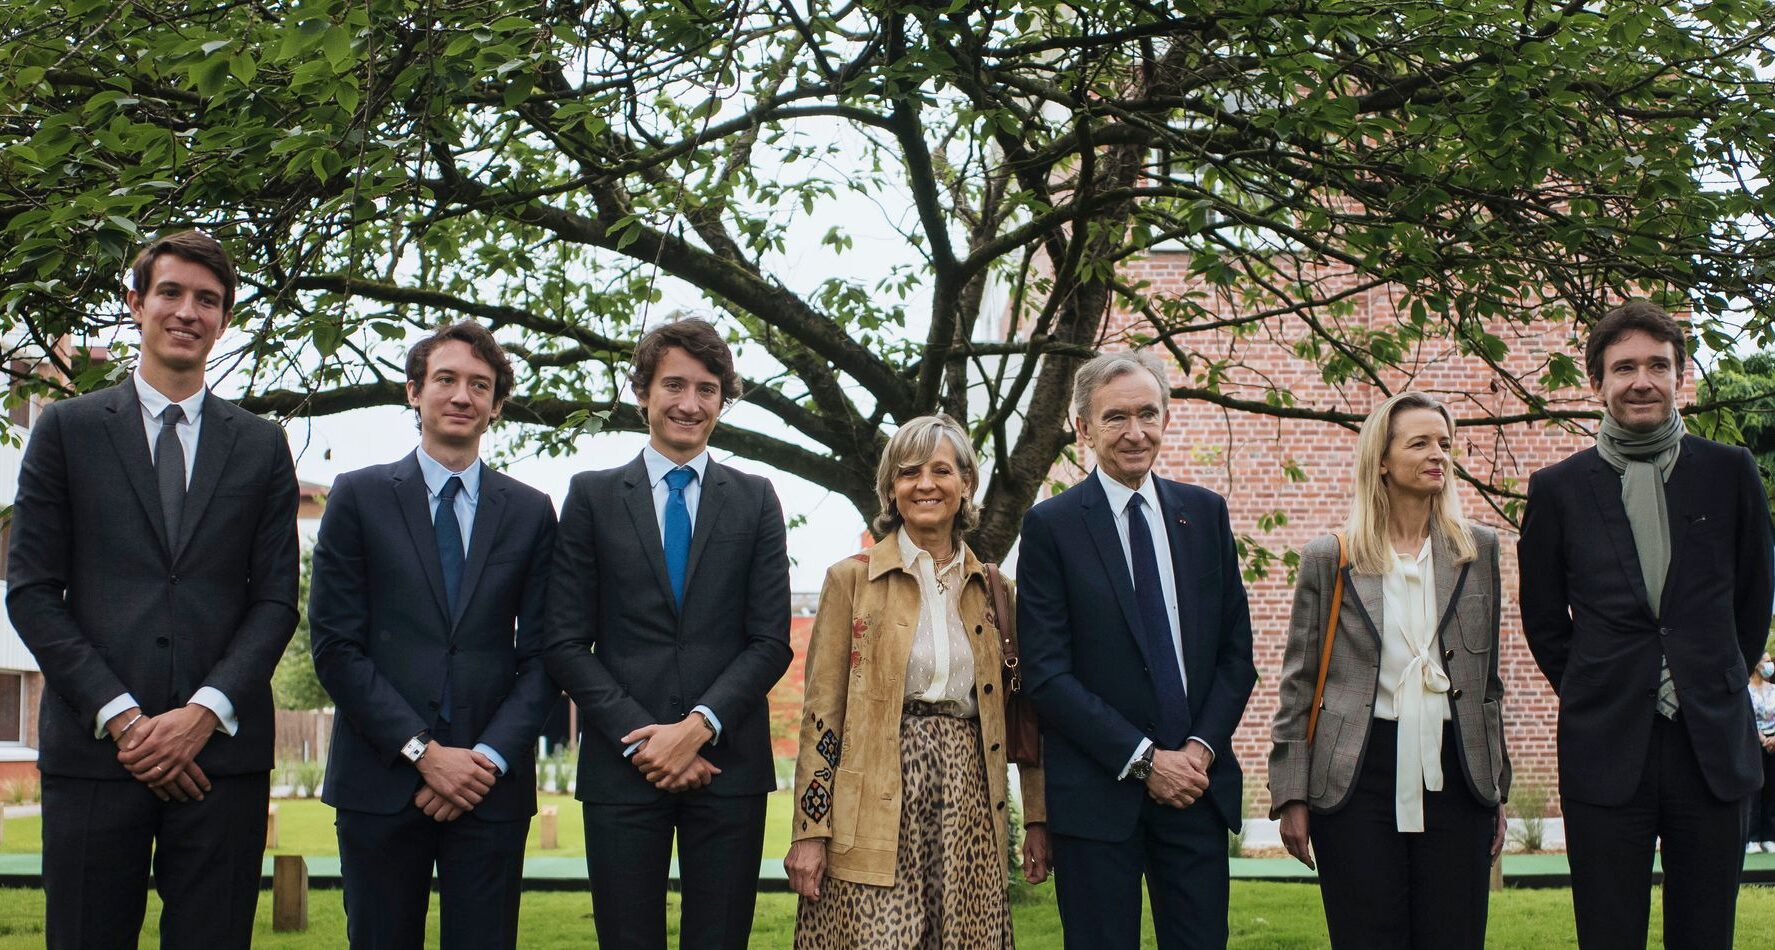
<point x="1155" y="621"/>
<point x="169" y="470"/>
<point x="449" y="531"/>
<point x="677" y="530"/>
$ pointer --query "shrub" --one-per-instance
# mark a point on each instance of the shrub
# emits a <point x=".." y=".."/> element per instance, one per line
<point x="1528" y="802"/>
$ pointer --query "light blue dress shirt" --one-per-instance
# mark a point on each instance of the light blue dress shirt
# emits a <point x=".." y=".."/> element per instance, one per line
<point x="436" y="475"/>
<point x="657" y="467"/>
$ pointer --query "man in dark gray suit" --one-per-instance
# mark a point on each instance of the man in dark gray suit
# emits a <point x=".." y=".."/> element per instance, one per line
<point x="426" y="610"/>
<point x="153" y="576"/>
<point x="668" y="616"/>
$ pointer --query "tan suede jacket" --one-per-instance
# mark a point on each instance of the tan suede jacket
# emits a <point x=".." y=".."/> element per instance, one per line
<point x="847" y="775"/>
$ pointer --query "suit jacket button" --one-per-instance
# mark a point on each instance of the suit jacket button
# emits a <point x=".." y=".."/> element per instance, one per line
<point x="173" y="579"/>
<point x="1664" y="631"/>
<point x="987" y="688"/>
<point x="1148" y="727"/>
<point x="995" y="747"/>
<point x="161" y="641"/>
<point x="433" y="704"/>
<point x="1447" y="655"/>
<point x="978" y="628"/>
<point x="452" y="649"/>
<point x="1001" y="806"/>
<point x="1454" y="694"/>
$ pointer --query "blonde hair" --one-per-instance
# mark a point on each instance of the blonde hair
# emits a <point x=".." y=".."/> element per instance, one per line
<point x="914" y="444"/>
<point x="1365" y="533"/>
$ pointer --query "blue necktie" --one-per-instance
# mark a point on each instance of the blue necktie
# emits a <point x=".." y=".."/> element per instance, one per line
<point x="449" y="531"/>
<point x="1149" y="595"/>
<point x="677" y="530"/>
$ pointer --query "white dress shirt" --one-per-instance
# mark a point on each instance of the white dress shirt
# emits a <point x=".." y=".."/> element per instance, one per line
<point x="657" y="468"/>
<point x="1119" y="496"/>
<point x="436" y="476"/>
<point x="154" y="404"/>
<point x="1413" y="687"/>
<point x="940" y="666"/>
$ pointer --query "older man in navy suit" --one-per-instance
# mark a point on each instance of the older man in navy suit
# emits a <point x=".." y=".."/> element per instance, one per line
<point x="426" y="612"/>
<point x="1136" y="642"/>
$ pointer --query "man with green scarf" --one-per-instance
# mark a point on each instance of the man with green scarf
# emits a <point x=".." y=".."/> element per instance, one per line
<point x="1646" y="586"/>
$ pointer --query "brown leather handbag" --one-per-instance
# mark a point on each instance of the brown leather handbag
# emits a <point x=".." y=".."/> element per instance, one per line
<point x="1023" y="737"/>
<point x="1337" y="601"/>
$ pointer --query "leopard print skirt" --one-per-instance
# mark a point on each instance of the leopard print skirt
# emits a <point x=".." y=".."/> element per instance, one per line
<point x="949" y="888"/>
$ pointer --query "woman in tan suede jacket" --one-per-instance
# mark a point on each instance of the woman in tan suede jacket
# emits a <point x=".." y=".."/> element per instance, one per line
<point x="900" y="785"/>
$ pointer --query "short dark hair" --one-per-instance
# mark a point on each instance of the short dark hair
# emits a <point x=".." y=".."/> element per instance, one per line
<point x="194" y="246"/>
<point x="480" y="341"/>
<point x="1642" y="315"/>
<point x="695" y="336"/>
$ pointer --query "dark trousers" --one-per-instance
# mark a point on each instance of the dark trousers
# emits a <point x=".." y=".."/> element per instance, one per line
<point x="1390" y="890"/>
<point x="386" y="862"/>
<point x="102" y="837"/>
<point x="1182" y="853"/>
<point x="629" y="854"/>
<point x="1702" y="843"/>
<point x="1762" y="812"/>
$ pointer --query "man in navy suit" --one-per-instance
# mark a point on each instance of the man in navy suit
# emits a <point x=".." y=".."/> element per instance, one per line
<point x="153" y="576"/>
<point x="1136" y="641"/>
<point x="668" y="625"/>
<point x="426" y="617"/>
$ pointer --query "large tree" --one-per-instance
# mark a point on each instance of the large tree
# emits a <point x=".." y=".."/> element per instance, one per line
<point x="555" y="169"/>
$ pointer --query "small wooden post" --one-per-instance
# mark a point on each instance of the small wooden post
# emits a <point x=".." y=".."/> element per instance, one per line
<point x="271" y="827"/>
<point x="289" y="893"/>
<point x="1497" y="873"/>
<point x="549" y="840"/>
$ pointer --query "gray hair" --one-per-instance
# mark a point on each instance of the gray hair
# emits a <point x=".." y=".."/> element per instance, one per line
<point x="1104" y="367"/>
<point x="914" y="444"/>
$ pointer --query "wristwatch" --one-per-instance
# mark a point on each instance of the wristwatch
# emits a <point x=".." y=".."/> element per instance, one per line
<point x="414" y="750"/>
<point x="1142" y="767"/>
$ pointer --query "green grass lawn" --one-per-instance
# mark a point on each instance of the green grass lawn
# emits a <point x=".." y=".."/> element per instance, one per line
<point x="1263" y="917"/>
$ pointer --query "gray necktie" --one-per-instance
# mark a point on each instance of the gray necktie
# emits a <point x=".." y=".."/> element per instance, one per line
<point x="169" y="470"/>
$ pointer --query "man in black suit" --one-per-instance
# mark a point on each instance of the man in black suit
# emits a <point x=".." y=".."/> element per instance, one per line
<point x="153" y="576"/>
<point x="668" y="616"/>
<point x="1645" y="597"/>
<point x="1136" y="642"/>
<point x="426" y="617"/>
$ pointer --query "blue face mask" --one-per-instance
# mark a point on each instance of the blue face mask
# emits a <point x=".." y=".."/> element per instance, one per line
<point x="1768" y="671"/>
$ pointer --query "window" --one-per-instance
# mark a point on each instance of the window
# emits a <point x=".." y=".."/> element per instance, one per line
<point x="12" y="708"/>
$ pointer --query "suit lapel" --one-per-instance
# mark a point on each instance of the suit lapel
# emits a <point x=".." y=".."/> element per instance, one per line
<point x="708" y="508"/>
<point x="1448" y="575"/>
<point x="130" y="440"/>
<point x="638" y="498"/>
<point x="1182" y="537"/>
<point x="215" y="440"/>
<point x="1369" y="599"/>
<point x="1605" y="488"/>
<point x="489" y="509"/>
<point x="415" y="506"/>
<point x="1100" y="525"/>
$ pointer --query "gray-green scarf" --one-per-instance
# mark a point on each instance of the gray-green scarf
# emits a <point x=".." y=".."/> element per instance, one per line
<point x="1645" y="460"/>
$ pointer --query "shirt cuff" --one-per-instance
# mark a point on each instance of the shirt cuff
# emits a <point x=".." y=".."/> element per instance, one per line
<point x="1212" y="755"/>
<point x="212" y="699"/>
<point x="487" y="750"/>
<point x="1139" y="751"/>
<point x="109" y="711"/>
<point x="714" y="723"/>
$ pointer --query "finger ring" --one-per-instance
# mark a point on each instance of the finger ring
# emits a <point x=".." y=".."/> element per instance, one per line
<point x="158" y="769"/>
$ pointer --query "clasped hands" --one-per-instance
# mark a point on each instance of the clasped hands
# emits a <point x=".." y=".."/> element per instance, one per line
<point x="669" y="756"/>
<point x="161" y="751"/>
<point x="455" y="781"/>
<point x="1180" y="778"/>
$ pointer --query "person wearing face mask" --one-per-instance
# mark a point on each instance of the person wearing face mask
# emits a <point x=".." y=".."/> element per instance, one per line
<point x="900" y="825"/>
<point x="1762" y="704"/>
<point x="1400" y="779"/>
<point x="1646" y="585"/>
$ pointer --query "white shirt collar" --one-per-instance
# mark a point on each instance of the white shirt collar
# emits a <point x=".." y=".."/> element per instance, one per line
<point x="154" y="402"/>
<point x="658" y="465"/>
<point x="910" y="553"/>
<point x="436" y="475"/>
<point x="1419" y="558"/>
<point x="1119" y="493"/>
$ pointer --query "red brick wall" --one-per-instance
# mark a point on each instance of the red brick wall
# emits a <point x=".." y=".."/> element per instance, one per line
<point x="1242" y="456"/>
